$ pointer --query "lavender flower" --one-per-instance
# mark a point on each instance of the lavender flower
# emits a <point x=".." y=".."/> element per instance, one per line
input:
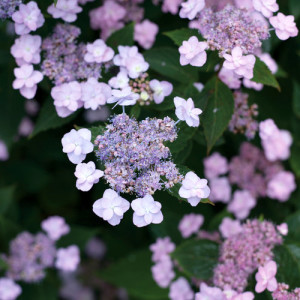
<point x="231" y="27"/>
<point x="242" y="120"/>
<point x="8" y="7"/>
<point x="64" y="57"/>
<point x="242" y="253"/>
<point x="135" y="158"/>
<point x="29" y="256"/>
<point x="282" y="293"/>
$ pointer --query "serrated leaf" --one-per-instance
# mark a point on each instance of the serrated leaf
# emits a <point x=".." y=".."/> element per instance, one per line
<point x="134" y="274"/>
<point x="197" y="258"/>
<point x="165" y="61"/>
<point x="183" y="34"/>
<point x="216" y="101"/>
<point x="262" y="74"/>
<point x="287" y="258"/>
<point x="48" y="118"/>
<point x="122" y="37"/>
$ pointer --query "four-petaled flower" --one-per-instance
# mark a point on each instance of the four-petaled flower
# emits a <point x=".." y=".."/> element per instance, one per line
<point x="87" y="175"/>
<point x="123" y="97"/>
<point x="68" y="259"/>
<point x="193" y="52"/>
<point x="285" y="26"/>
<point x="161" y="89"/>
<point x="194" y="188"/>
<point x="77" y="144"/>
<point x="265" y="277"/>
<point x="55" y="227"/>
<point x="146" y="211"/>
<point x="98" y="52"/>
<point x="186" y="111"/>
<point x="111" y="207"/>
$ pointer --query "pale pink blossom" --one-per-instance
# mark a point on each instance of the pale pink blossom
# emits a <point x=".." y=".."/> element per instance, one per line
<point x="276" y="143"/>
<point x="55" y="227"/>
<point x="120" y="81"/>
<point x="9" y="290"/>
<point x="242" y="65"/>
<point x="131" y="60"/>
<point x="98" y="52"/>
<point x="67" y="98"/>
<point x="32" y="107"/>
<point x="229" y="227"/>
<point x="194" y="188"/>
<point x="160" y="89"/>
<point x="209" y="293"/>
<point x="94" y="93"/>
<point x="26" y="49"/>
<point x="265" y="277"/>
<point x="266" y="7"/>
<point x="146" y="211"/>
<point x="230" y="78"/>
<point x="161" y="248"/>
<point x="87" y="175"/>
<point x="191" y="8"/>
<point x="281" y="186"/>
<point x="171" y="6"/>
<point x="123" y="97"/>
<point x="190" y="224"/>
<point x="283" y="228"/>
<point x="220" y="189"/>
<point x="269" y="61"/>
<point x="28" y="18"/>
<point x="193" y="52"/>
<point x="77" y="144"/>
<point x="26" y="127"/>
<point x="4" y="155"/>
<point x="101" y="114"/>
<point x="67" y="259"/>
<point x="199" y="86"/>
<point x="145" y="33"/>
<point x="215" y="165"/>
<point x="186" y="111"/>
<point x="244" y="4"/>
<point x="252" y="84"/>
<point x="26" y="80"/>
<point x="180" y="290"/>
<point x="95" y="248"/>
<point x="285" y="26"/>
<point x="65" y="9"/>
<point x="111" y="207"/>
<point x="162" y="272"/>
<point x="243" y="296"/>
<point x="241" y="204"/>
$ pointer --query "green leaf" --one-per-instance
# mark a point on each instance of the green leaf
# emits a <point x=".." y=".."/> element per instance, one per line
<point x="165" y="61"/>
<point x="262" y="74"/>
<point x="293" y="222"/>
<point x="134" y="274"/>
<point x="96" y="130"/>
<point x="197" y="258"/>
<point x="122" y="37"/>
<point x="288" y="260"/>
<point x="295" y="158"/>
<point x="6" y="198"/>
<point x="296" y="99"/>
<point x="48" y="118"/>
<point x="216" y="101"/>
<point x="183" y="34"/>
<point x="294" y="8"/>
<point x="135" y="111"/>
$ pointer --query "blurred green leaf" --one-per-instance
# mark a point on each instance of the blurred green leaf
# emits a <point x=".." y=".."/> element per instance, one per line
<point x="295" y="159"/>
<point x="122" y="37"/>
<point x="262" y="74"/>
<point x="183" y="34"/>
<point x="165" y="61"/>
<point x="293" y="222"/>
<point x="48" y="118"/>
<point x="197" y="258"/>
<point x="134" y="274"/>
<point x="294" y="6"/>
<point x="6" y="198"/>
<point x="135" y="111"/>
<point x="288" y="261"/>
<point x="296" y="99"/>
<point x="216" y="101"/>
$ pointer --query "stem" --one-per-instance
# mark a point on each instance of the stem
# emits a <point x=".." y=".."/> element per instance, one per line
<point x="177" y="122"/>
<point x="123" y="108"/>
